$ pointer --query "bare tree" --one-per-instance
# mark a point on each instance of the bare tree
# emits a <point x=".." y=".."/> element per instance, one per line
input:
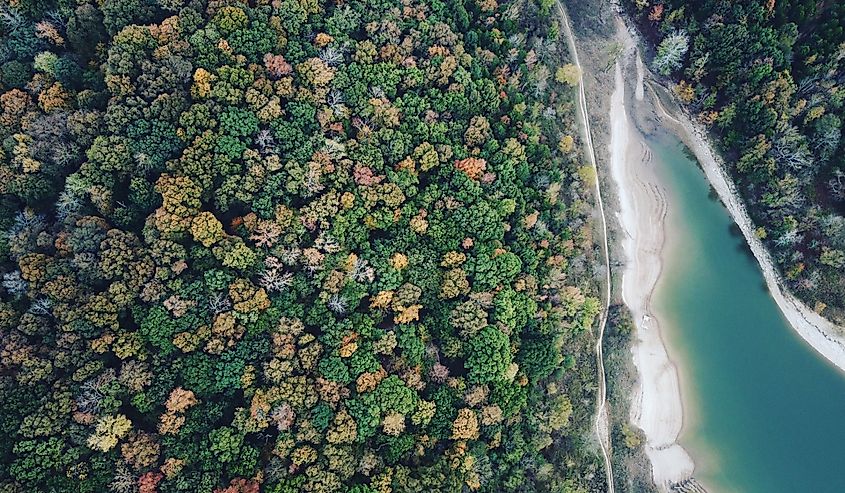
<point x="42" y="306"/>
<point x="265" y="142"/>
<point x="836" y="185"/>
<point x="827" y="135"/>
<point x="123" y="481"/>
<point x="833" y="226"/>
<point x="670" y="53"/>
<point x="337" y="102"/>
<point x="14" y="284"/>
<point x="331" y="56"/>
<point x="789" y="238"/>
<point x="11" y="19"/>
<point x="807" y="85"/>
<point x="338" y="304"/>
<point x="790" y="149"/>
<point x="275" y="280"/>
<point x="219" y="303"/>
<point x="361" y="272"/>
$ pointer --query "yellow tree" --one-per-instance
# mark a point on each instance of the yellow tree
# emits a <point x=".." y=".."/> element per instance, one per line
<point x="108" y="431"/>
<point x="568" y="74"/>
<point x="206" y="229"/>
<point x="465" y="426"/>
<point x="180" y="203"/>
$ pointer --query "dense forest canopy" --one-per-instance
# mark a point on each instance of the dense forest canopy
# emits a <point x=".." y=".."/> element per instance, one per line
<point x="769" y="78"/>
<point x="292" y="245"/>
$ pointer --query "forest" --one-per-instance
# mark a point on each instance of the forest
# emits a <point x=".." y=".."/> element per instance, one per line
<point x="768" y="79"/>
<point x="298" y="245"/>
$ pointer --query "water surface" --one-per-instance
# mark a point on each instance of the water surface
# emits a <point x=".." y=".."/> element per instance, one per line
<point x="763" y="413"/>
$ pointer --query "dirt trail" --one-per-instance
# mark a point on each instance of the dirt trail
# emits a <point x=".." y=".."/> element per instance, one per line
<point x="602" y="424"/>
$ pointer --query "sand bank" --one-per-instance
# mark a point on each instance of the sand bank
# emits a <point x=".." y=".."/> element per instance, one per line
<point x="657" y="407"/>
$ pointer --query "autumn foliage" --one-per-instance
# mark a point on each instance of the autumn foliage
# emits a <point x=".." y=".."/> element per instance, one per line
<point x="291" y="246"/>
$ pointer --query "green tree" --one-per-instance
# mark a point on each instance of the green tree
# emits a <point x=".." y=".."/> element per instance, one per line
<point x="489" y="357"/>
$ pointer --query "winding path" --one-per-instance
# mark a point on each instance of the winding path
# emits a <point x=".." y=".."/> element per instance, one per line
<point x="602" y="424"/>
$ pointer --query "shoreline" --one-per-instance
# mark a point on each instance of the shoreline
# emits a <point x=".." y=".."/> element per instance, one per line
<point x="657" y="407"/>
<point x="822" y="335"/>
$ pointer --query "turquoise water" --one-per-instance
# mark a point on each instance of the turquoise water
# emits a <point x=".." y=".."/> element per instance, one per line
<point x="763" y="412"/>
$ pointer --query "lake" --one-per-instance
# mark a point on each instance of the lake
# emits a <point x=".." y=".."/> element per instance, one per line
<point x="763" y="413"/>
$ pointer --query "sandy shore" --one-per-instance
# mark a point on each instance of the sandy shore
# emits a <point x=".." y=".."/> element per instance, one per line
<point x="657" y="406"/>
<point x="821" y="334"/>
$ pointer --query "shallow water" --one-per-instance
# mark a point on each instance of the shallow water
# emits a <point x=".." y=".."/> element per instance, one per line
<point x="763" y="413"/>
